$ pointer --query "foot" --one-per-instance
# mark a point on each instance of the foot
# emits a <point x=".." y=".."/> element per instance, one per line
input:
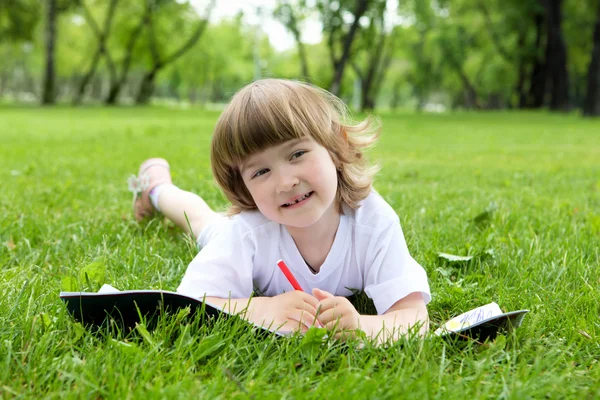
<point x="153" y="172"/>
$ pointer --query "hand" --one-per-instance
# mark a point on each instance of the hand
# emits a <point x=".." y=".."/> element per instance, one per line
<point x="336" y="312"/>
<point x="290" y="311"/>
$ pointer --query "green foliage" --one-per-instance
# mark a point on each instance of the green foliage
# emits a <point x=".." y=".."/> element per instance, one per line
<point x="212" y="71"/>
<point x="457" y="53"/>
<point x="18" y="19"/>
<point x="458" y="43"/>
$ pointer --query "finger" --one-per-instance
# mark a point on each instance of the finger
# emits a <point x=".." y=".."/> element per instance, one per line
<point x="333" y="326"/>
<point x="321" y="294"/>
<point x="328" y="304"/>
<point x="307" y="298"/>
<point x="298" y="296"/>
<point x="292" y="326"/>
<point x="308" y="308"/>
<point x="302" y="317"/>
<point x="311" y="315"/>
<point x="332" y="315"/>
<point x="297" y="302"/>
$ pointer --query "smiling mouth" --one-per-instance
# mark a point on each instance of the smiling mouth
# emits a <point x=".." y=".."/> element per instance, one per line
<point x="306" y="196"/>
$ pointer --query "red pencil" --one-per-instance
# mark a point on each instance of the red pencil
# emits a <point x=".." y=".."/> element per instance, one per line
<point x="288" y="274"/>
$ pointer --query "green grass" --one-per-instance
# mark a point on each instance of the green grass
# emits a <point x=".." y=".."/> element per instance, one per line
<point x="64" y="207"/>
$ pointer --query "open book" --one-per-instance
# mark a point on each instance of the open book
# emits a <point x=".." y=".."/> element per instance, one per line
<point x="482" y="323"/>
<point x="126" y="307"/>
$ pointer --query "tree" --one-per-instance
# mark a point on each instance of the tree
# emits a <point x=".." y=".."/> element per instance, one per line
<point x="556" y="57"/>
<point x="212" y="73"/>
<point x="450" y="56"/>
<point x="513" y="18"/>
<point x="378" y="45"/>
<point x="591" y="105"/>
<point x="158" y="62"/>
<point x="288" y="15"/>
<point x="423" y="73"/>
<point x="52" y="10"/>
<point x="18" y="19"/>
<point x="48" y="94"/>
<point x="340" y="36"/>
<point x="118" y="75"/>
<point x="102" y="36"/>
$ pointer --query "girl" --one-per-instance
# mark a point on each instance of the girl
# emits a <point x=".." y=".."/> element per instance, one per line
<point x="300" y="191"/>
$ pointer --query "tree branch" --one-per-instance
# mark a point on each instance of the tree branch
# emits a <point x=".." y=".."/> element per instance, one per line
<point x="359" y="11"/>
<point x="102" y="35"/>
<point x="494" y="35"/>
<point x="135" y="34"/>
<point x="152" y="35"/>
<point x="192" y="39"/>
<point x="357" y="70"/>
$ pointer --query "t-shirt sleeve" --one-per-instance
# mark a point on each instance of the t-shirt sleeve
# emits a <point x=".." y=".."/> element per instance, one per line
<point x="223" y="268"/>
<point x="391" y="272"/>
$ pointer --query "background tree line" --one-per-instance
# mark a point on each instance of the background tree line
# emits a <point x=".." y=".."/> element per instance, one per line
<point x="481" y="54"/>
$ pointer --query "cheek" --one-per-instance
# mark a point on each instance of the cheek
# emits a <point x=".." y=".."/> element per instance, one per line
<point x="326" y="169"/>
<point x="258" y="193"/>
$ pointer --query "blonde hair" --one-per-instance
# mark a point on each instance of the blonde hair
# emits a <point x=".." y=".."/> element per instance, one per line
<point x="271" y="111"/>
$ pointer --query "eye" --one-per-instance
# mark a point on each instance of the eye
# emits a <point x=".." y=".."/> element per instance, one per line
<point x="297" y="154"/>
<point x="260" y="172"/>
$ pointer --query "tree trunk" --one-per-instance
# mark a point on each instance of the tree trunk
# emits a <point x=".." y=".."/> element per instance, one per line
<point x="48" y="86"/>
<point x="522" y="71"/>
<point x="303" y="60"/>
<point x="521" y="92"/>
<point x="113" y="93"/>
<point x="395" y="100"/>
<point x="385" y="65"/>
<point x="369" y="91"/>
<point x="301" y="49"/>
<point x="3" y="80"/>
<point x="557" y="61"/>
<point x="537" y="82"/>
<point x="361" y="8"/>
<point x="470" y="93"/>
<point x="87" y="77"/>
<point x="117" y="80"/>
<point x="146" y="87"/>
<point x="591" y="104"/>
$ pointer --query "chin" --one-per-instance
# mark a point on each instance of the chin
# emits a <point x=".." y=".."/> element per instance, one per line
<point x="302" y="222"/>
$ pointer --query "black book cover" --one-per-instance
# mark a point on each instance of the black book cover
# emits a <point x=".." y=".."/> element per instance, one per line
<point x="126" y="307"/>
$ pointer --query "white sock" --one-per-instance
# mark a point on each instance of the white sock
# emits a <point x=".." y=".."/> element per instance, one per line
<point x="154" y="193"/>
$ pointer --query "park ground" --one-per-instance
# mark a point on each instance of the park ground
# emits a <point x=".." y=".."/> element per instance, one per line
<point x="519" y="192"/>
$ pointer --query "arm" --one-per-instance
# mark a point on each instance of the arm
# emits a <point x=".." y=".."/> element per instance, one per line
<point x="405" y="314"/>
<point x="336" y="312"/>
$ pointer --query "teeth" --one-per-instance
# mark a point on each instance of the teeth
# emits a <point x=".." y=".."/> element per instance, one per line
<point x="298" y="200"/>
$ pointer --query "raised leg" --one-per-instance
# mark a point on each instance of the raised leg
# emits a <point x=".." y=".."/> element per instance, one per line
<point x="176" y="204"/>
<point x="154" y="190"/>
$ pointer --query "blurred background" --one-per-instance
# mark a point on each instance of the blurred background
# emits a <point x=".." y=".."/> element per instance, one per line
<point x="430" y="55"/>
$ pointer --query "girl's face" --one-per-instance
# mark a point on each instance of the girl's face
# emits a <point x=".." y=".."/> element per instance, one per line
<point x="293" y="183"/>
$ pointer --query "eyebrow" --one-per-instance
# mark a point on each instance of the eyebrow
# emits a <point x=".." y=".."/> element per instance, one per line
<point x="287" y="145"/>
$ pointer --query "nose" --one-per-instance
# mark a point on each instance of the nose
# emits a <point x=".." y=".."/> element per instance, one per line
<point x="286" y="181"/>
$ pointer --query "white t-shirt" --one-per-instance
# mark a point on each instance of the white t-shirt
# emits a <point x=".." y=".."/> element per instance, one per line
<point x="368" y="253"/>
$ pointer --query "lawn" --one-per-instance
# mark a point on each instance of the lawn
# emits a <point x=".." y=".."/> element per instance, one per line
<point x="520" y="192"/>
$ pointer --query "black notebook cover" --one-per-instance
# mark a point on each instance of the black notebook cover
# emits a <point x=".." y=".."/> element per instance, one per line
<point x="126" y="307"/>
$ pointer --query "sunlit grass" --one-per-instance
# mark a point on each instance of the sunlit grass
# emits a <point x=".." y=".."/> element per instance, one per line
<point x="64" y="205"/>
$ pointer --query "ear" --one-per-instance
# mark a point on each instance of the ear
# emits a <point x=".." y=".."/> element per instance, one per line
<point x="321" y="294"/>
